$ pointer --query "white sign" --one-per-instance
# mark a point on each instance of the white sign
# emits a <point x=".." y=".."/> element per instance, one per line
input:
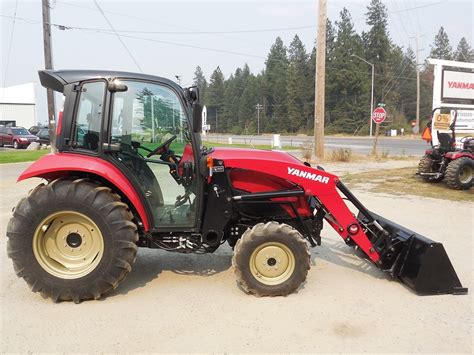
<point x="204" y="119"/>
<point x="458" y="85"/>
<point x="464" y="119"/>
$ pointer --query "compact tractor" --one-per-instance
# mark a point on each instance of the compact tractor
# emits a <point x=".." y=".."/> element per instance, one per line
<point x="444" y="161"/>
<point x="130" y="171"/>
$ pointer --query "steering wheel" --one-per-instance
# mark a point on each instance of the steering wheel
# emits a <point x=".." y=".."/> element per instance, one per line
<point x="162" y="147"/>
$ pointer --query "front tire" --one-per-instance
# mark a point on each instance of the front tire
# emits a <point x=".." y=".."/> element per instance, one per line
<point x="426" y="165"/>
<point x="459" y="173"/>
<point x="271" y="259"/>
<point x="16" y="145"/>
<point x="72" y="240"/>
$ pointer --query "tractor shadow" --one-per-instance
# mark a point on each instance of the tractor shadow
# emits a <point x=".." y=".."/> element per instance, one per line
<point x="151" y="263"/>
<point x="337" y="252"/>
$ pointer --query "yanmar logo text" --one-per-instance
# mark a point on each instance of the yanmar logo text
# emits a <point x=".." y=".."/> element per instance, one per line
<point x="308" y="175"/>
<point x="460" y="85"/>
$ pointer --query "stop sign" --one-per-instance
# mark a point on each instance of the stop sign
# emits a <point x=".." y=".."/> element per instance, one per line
<point x="379" y="115"/>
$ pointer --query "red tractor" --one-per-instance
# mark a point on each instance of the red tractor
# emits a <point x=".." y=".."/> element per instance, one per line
<point x="130" y="171"/>
<point x="444" y="161"/>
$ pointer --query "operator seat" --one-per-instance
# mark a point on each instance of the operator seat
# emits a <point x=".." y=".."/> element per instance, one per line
<point x="445" y="142"/>
<point x="91" y="141"/>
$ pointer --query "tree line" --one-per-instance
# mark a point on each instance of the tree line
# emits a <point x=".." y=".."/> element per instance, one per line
<point x="284" y="89"/>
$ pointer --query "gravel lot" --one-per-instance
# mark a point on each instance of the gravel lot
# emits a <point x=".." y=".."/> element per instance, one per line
<point x="191" y="303"/>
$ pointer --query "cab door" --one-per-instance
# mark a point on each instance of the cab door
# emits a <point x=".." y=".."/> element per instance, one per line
<point x="143" y="118"/>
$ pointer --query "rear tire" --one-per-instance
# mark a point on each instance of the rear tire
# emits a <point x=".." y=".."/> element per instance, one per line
<point x="459" y="173"/>
<point x="426" y="166"/>
<point x="271" y="259"/>
<point x="72" y="240"/>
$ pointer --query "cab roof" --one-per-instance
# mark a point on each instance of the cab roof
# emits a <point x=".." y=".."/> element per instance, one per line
<point x="57" y="79"/>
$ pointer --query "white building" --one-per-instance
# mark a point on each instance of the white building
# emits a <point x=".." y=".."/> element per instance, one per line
<point x="18" y="105"/>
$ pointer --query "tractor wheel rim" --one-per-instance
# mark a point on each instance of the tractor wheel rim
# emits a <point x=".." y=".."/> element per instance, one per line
<point x="68" y="245"/>
<point x="272" y="263"/>
<point x="465" y="175"/>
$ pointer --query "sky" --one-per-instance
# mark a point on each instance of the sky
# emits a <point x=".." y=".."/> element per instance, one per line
<point x="90" y="44"/>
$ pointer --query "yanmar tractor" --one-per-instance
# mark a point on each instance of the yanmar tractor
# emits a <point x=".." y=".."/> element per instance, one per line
<point x="444" y="161"/>
<point x="130" y="171"/>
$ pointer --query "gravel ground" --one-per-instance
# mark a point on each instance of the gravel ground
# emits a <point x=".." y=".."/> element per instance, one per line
<point x="191" y="303"/>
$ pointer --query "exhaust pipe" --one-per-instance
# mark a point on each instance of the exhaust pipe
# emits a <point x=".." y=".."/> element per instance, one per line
<point x="418" y="262"/>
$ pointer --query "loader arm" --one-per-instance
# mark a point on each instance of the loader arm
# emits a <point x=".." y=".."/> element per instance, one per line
<point x="420" y="263"/>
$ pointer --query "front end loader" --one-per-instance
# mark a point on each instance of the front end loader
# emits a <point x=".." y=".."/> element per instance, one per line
<point x="131" y="171"/>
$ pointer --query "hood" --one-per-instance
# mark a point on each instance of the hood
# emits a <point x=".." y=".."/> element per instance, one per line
<point x="26" y="136"/>
<point x="236" y="157"/>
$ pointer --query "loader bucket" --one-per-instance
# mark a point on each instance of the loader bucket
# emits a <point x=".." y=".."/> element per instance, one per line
<point x="422" y="264"/>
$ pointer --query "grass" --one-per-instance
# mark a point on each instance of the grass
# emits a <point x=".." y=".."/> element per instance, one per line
<point x="403" y="181"/>
<point x="18" y="156"/>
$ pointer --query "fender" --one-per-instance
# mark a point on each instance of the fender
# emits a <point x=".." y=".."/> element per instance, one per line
<point x="55" y="165"/>
<point x="456" y="155"/>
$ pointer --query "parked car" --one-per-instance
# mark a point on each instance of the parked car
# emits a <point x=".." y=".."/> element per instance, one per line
<point x="34" y="130"/>
<point x="43" y="136"/>
<point x="18" y="137"/>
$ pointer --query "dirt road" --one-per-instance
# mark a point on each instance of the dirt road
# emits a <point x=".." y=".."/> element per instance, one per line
<point x="190" y="303"/>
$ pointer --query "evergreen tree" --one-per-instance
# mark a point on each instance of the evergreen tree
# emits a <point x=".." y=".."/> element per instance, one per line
<point x="215" y="101"/>
<point x="348" y="90"/>
<point x="201" y="82"/>
<point x="377" y="46"/>
<point x="464" y="53"/>
<point x="297" y="86"/>
<point x="441" y="49"/>
<point x="406" y="87"/>
<point x="275" y="77"/>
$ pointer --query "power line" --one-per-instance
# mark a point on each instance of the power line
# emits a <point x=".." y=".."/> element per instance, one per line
<point x="10" y="44"/>
<point x="191" y="32"/>
<point x="188" y="46"/>
<point x="118" y="36"/>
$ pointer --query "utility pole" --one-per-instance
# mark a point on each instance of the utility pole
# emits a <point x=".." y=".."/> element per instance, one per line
<point x="48" y="61"/>
<point x="258" y="107"/>
<point x="417" y="124"/>
<point x="319" y="102"/>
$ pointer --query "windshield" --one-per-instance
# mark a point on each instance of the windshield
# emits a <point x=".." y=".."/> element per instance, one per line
<point x="20" y="132"/>
<point x="149" y="114"/>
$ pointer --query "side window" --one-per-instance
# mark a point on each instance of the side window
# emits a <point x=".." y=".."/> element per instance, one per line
<point x="88" y="122"/>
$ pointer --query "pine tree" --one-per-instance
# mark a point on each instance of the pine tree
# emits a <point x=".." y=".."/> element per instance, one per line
<point x="215" y="100"/>
<point x="348" y="90"/>
<point x="378" y="46"/>
<point x="201" y="82"/>
<point x="441" y="49"/>
<point x="297" y="86"/>
<point x="464" y="53"/>
<point x="406" y="87"/>
<point x="275" y="77"/>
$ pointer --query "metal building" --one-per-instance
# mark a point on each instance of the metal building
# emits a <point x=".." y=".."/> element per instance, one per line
<point x="18" y="105"/>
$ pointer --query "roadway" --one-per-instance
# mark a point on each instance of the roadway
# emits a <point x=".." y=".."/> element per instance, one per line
<point x="361" y="145"/>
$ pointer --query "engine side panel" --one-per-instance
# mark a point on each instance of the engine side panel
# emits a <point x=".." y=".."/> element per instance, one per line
<point x="253" y="181"/>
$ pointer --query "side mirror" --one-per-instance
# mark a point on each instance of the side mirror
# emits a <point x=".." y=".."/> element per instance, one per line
<point x="116" y="86"/>
<point x="194" y="93"/>
<point x="197" y="117"/>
